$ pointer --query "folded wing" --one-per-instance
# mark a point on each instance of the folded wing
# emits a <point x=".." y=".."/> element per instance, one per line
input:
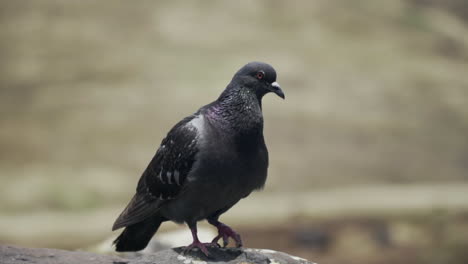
<point x="166" y="174"/>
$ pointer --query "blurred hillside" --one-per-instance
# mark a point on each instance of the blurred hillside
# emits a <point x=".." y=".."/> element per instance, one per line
<point x="376" y="93"/>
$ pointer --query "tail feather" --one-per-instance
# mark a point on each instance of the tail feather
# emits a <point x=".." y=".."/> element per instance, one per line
<point x="137" y="210"/>
<point x="136" y="237"/>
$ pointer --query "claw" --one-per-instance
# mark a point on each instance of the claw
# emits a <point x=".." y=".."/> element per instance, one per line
<point x="225" y="240"/>
<point x="225" y="232"/>
<point x="215" y="240"/>
<point x="196" y="243"/>
<point x="202" y="246"/>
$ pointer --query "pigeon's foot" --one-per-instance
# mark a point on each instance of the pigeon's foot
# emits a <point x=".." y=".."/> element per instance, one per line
<point x="202" y="246"/>
<point x="196" y="242"/>
<point x="225" y="232"/>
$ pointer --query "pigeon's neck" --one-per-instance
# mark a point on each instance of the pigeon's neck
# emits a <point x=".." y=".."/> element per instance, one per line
<point x="238" y="110"/>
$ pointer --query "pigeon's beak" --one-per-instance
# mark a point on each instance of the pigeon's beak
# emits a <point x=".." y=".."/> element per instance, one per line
<point x="275" y="87"/>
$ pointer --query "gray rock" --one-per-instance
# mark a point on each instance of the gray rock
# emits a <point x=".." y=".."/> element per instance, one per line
<point x="219" y="255"/>
<point x="17" y="255"/>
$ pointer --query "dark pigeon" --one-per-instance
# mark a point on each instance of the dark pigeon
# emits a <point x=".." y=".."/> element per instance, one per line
<point x="205" y="165"/>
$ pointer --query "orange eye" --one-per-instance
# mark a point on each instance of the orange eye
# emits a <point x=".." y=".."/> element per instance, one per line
<point x="260" y="75"/>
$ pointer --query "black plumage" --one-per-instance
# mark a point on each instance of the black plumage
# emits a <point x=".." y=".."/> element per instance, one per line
<point x="206" y="164"/>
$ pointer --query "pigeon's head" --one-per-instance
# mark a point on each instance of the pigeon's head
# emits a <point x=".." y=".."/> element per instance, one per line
<point x="258" y="77"/>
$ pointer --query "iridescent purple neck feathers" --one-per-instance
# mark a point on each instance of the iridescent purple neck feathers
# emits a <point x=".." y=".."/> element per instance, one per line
<point x="237" y="111"/>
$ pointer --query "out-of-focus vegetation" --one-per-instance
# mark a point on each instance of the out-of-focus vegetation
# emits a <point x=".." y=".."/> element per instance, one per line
<point x="375" y="116"/>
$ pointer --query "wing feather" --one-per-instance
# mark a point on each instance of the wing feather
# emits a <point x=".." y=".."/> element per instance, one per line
<point x="165" y="175"/>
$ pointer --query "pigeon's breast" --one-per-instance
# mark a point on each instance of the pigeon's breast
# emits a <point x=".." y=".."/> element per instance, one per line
<point x="235" y="168"/>
<point x="223" y="172"/>
<point x="237" y="159"/>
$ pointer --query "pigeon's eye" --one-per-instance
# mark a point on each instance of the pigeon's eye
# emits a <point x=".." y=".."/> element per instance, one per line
<point x="260" y="75"/>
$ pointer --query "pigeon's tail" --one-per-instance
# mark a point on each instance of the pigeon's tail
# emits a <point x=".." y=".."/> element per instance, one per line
<point x="136" y="237"/>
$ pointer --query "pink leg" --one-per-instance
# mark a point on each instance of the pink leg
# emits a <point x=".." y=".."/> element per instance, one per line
<point x="225" y="232"/>
<point x="196" y="243"/>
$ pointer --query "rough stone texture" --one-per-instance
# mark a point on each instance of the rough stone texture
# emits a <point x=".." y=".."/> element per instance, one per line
<point x="17" y="255"/>
<point x="219" y="255"/>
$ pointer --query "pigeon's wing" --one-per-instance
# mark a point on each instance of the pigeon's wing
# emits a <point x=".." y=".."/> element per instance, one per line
<point x="165" y="175"/>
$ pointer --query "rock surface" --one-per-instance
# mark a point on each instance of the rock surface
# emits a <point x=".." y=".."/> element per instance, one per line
<point x="17" y="255"/>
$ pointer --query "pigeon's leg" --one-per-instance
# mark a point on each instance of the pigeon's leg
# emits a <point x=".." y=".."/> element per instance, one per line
<point x="196" y="242"/>
<point x="225" y="232"/>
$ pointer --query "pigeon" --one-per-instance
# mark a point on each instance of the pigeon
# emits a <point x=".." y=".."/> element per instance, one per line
<point x="207" y="163"/>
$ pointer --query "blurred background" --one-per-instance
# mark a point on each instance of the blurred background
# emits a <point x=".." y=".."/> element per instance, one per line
<point x="368" y="153"/>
